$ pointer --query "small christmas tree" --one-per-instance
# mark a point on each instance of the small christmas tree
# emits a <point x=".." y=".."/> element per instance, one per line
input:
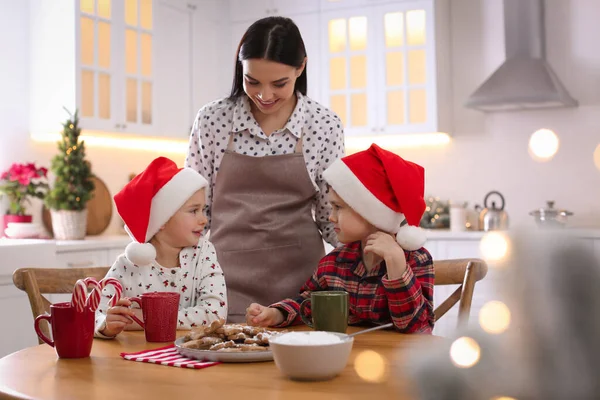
<point x="73" y="186"/>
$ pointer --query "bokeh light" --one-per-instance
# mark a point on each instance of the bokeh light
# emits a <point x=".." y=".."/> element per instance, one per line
<point x="494" y="246"/>
<point x="543" y="145"/>
<point x="371" y="366"/>
<point x="494" y="317"/>
<point x="465" y="352"/>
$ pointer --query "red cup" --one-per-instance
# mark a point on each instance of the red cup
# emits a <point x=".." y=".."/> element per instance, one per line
<point x="160" y="315"/>
<point x="72" y="331"/>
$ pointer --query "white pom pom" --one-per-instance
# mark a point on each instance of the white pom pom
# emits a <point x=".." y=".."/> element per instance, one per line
<point x="140" y="254"/>
<point x="411" y="237"/>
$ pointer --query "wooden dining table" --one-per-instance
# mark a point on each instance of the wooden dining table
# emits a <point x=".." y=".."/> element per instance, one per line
<point x="378" y="368"/>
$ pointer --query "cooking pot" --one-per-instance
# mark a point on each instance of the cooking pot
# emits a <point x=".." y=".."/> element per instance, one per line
<point x="550" y="217"/>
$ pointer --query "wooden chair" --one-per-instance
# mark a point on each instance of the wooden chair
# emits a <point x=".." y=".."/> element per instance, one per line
<point x="463" y="272"/>
<point x="38" y="281"/>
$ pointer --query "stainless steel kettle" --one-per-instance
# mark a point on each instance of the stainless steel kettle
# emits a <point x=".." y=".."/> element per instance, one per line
<point x="492" y="218"/>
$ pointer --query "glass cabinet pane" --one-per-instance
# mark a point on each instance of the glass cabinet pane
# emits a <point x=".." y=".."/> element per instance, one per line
<point x="104" y="96"/>
<point x="416" y="67"/>
<point x="358" y="109"/>
<point x="358" y="72"/>
<point x="337" y="73"/>
<point x="418" y="106"/>
<point x="358" y="33"/>
<point x="146" y="103"/>
<point x="394" y="29"/>
<point x="104" y="45"/>
<point x="394" y="68"/>
<point x="131" y="53"/>
<point x="87" y="6"/>
<point x="338" y="105"/>
<point x="131" y="98"/>
<point x="415" y="27"/>
<point x="395" y="107"/>
<point x="146" y="54"/>
<point x="146" y="14"/>
<point x="87" y="93"/>
<point x="131" y="12"/>
<point x="337" y="35"/>
<point x="87" y="41"/>
<point x="104" y="8"/>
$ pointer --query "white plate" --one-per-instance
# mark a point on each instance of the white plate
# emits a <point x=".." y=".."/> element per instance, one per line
<point x="240" y="357"/>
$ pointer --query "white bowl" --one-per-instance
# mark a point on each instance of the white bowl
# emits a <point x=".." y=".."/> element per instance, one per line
<point x="311" y="362"/>
<point x="23" y="230"/>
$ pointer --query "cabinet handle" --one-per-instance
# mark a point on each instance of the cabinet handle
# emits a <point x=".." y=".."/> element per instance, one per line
<point x="191" y="7"/>
<point x="373" y="130"/>
<point x="275" y="11"/>
<point x="123" y="126"/>
<point x="117" y="126"/>
<point x="80" y="264"/>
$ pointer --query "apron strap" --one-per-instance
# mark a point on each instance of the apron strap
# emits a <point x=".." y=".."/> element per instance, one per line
<point x="230" y="142"/>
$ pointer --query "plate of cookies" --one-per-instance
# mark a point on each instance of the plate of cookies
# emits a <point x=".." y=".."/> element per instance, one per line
<point x="227" y="343"/>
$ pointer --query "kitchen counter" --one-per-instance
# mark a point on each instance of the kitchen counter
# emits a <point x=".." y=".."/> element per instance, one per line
<point x="89" y="243"/>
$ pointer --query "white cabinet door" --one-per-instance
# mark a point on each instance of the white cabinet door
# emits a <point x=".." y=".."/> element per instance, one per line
<point x="291" y="8"/>
<point x="212" y="62"/>
<point x="348" y="69"/>
<point x="82" y="259"/>
<point x="381" y="67"/>
<point x="308" y="25"/>
<point x="174" y="69"/>
<point x="250" y="10"/>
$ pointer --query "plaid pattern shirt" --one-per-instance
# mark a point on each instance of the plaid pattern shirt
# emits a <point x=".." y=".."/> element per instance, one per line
<point x="373" y="298"/>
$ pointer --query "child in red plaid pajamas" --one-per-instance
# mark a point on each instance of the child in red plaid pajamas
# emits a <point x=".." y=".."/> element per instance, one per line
<point x="377" y="200"/>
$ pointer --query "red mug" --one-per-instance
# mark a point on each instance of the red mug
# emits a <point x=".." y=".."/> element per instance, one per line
<point x="72" y="331"/>
<point x="160" y="311"/>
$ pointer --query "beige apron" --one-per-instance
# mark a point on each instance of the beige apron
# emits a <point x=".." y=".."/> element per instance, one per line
<point x="267" y="241"/>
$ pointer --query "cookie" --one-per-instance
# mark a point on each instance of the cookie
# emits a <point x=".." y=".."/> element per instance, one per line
<point x="222" y="345"/>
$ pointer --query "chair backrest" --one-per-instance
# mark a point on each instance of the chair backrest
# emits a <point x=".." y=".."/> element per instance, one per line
<point x="38" y="281"/>
<point x="463" y="272"/>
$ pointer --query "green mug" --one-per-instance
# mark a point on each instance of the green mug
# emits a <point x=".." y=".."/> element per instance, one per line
<point x="329" y="311"/>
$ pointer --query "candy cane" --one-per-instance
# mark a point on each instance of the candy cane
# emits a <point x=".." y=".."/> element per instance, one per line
<point x="78" y="299"/>
<point x="93" y="299"/>
<point x="118" y="289"/>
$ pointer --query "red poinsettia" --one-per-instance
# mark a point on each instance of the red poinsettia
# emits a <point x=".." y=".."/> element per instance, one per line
<point x="22" y="181"/>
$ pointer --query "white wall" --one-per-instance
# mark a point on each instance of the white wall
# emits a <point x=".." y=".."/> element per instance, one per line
<point x="487" y="151"/>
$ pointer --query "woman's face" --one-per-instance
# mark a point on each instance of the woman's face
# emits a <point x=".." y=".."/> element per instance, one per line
<point x="269" y="84"/>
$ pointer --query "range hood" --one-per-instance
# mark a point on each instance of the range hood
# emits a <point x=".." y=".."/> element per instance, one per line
<point x="525" y="80"/>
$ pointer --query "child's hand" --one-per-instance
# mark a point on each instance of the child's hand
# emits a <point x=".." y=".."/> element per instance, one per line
<point x="385" y="246"/>
<point x="257" y="315"/>
<point x="118" y="317"/>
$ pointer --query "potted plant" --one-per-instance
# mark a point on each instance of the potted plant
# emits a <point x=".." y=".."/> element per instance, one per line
<point x="73" y="186"/>
<point x="20" y="183"/>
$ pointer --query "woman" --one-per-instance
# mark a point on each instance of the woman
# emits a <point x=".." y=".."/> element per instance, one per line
<point x="263" y="150"/>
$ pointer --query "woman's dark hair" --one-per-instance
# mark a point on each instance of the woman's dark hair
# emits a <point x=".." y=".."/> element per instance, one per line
<point x="275" y="39"/>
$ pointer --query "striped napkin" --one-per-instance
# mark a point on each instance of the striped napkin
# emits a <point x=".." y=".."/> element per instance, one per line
<point x="167" y="356"/>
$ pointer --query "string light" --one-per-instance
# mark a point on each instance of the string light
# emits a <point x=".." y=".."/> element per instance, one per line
<point x="493" y="246"/>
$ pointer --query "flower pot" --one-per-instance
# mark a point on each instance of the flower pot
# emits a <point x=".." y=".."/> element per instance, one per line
<point x="68" y="224"/>
<point x="13" y="218"/>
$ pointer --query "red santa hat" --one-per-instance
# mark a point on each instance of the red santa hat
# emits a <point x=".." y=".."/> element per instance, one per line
<point x="150" y="199"/>
<point x="384" y="189"/>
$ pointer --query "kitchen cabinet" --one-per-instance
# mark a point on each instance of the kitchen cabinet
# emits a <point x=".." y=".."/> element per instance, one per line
<point x="250" y="11"/>
<point x="137" y="67"/>
<point x="97" y="57"/>
<point x="15" y="313"/>
<point x="384" y="67"/>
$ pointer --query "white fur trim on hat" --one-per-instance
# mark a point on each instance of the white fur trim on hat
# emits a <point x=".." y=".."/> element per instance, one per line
<point x="411" y="237"/>
<point x="356" y="195"/>
<point x="171" y="197"/>
<point x="140" y="254"/>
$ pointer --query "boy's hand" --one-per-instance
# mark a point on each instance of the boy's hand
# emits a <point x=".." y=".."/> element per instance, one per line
<point x="118" y="317"/>
<point x="386" y="247"/>
<point x="257" y="315"/>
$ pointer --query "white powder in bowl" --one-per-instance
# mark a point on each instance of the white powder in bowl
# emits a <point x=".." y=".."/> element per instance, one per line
<point x="307" y="338"/>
